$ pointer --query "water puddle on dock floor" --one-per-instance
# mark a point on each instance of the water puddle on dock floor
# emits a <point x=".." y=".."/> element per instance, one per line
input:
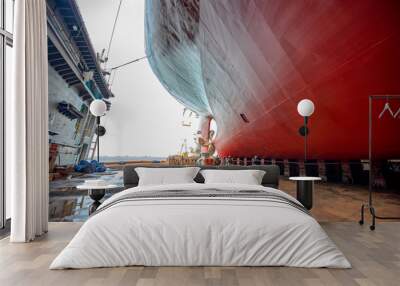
<point x="67" y="203"/>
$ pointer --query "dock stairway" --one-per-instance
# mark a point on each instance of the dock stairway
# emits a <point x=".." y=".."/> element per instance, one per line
<point x="93" y="147"/>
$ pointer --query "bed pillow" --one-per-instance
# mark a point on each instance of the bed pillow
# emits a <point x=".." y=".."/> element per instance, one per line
<point x="248" y="177"/>
<point x="166" y="176"/>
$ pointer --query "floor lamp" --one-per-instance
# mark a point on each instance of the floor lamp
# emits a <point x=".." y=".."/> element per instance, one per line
<point x="305" y="108"/>
<point x="305" y="184"/>
<point x="98" y="108"/>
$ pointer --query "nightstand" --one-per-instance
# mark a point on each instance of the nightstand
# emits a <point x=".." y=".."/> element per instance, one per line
<point x="96" y="193"/>
<point x="305" y="189"/>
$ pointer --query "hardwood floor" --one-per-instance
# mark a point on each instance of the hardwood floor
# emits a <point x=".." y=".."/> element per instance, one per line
<point x="375" y="257"/>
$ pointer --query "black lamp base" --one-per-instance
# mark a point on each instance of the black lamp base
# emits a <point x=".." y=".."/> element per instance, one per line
<point x="305" y="193"/>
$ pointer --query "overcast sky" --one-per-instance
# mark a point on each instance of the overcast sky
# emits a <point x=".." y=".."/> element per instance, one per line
<point x="144" y="119"/>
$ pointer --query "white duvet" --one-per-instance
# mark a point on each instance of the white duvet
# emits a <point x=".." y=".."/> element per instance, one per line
<point x="193" y="231"/>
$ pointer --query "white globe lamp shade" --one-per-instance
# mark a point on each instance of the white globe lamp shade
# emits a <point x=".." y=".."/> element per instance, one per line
<point x="98" y="107"/>
<point x="305" y="107"/>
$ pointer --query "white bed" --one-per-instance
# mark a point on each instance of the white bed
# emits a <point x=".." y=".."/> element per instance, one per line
<point x="192" y="231"/>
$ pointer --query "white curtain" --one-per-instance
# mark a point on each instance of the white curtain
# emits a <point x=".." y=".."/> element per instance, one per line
<point x="27" y="151"/>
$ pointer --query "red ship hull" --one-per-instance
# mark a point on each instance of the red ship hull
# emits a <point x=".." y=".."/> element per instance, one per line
<point x="260" y="58"/>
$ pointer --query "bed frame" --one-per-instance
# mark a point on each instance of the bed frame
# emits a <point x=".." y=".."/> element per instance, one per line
<point x="270" y="179"/>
